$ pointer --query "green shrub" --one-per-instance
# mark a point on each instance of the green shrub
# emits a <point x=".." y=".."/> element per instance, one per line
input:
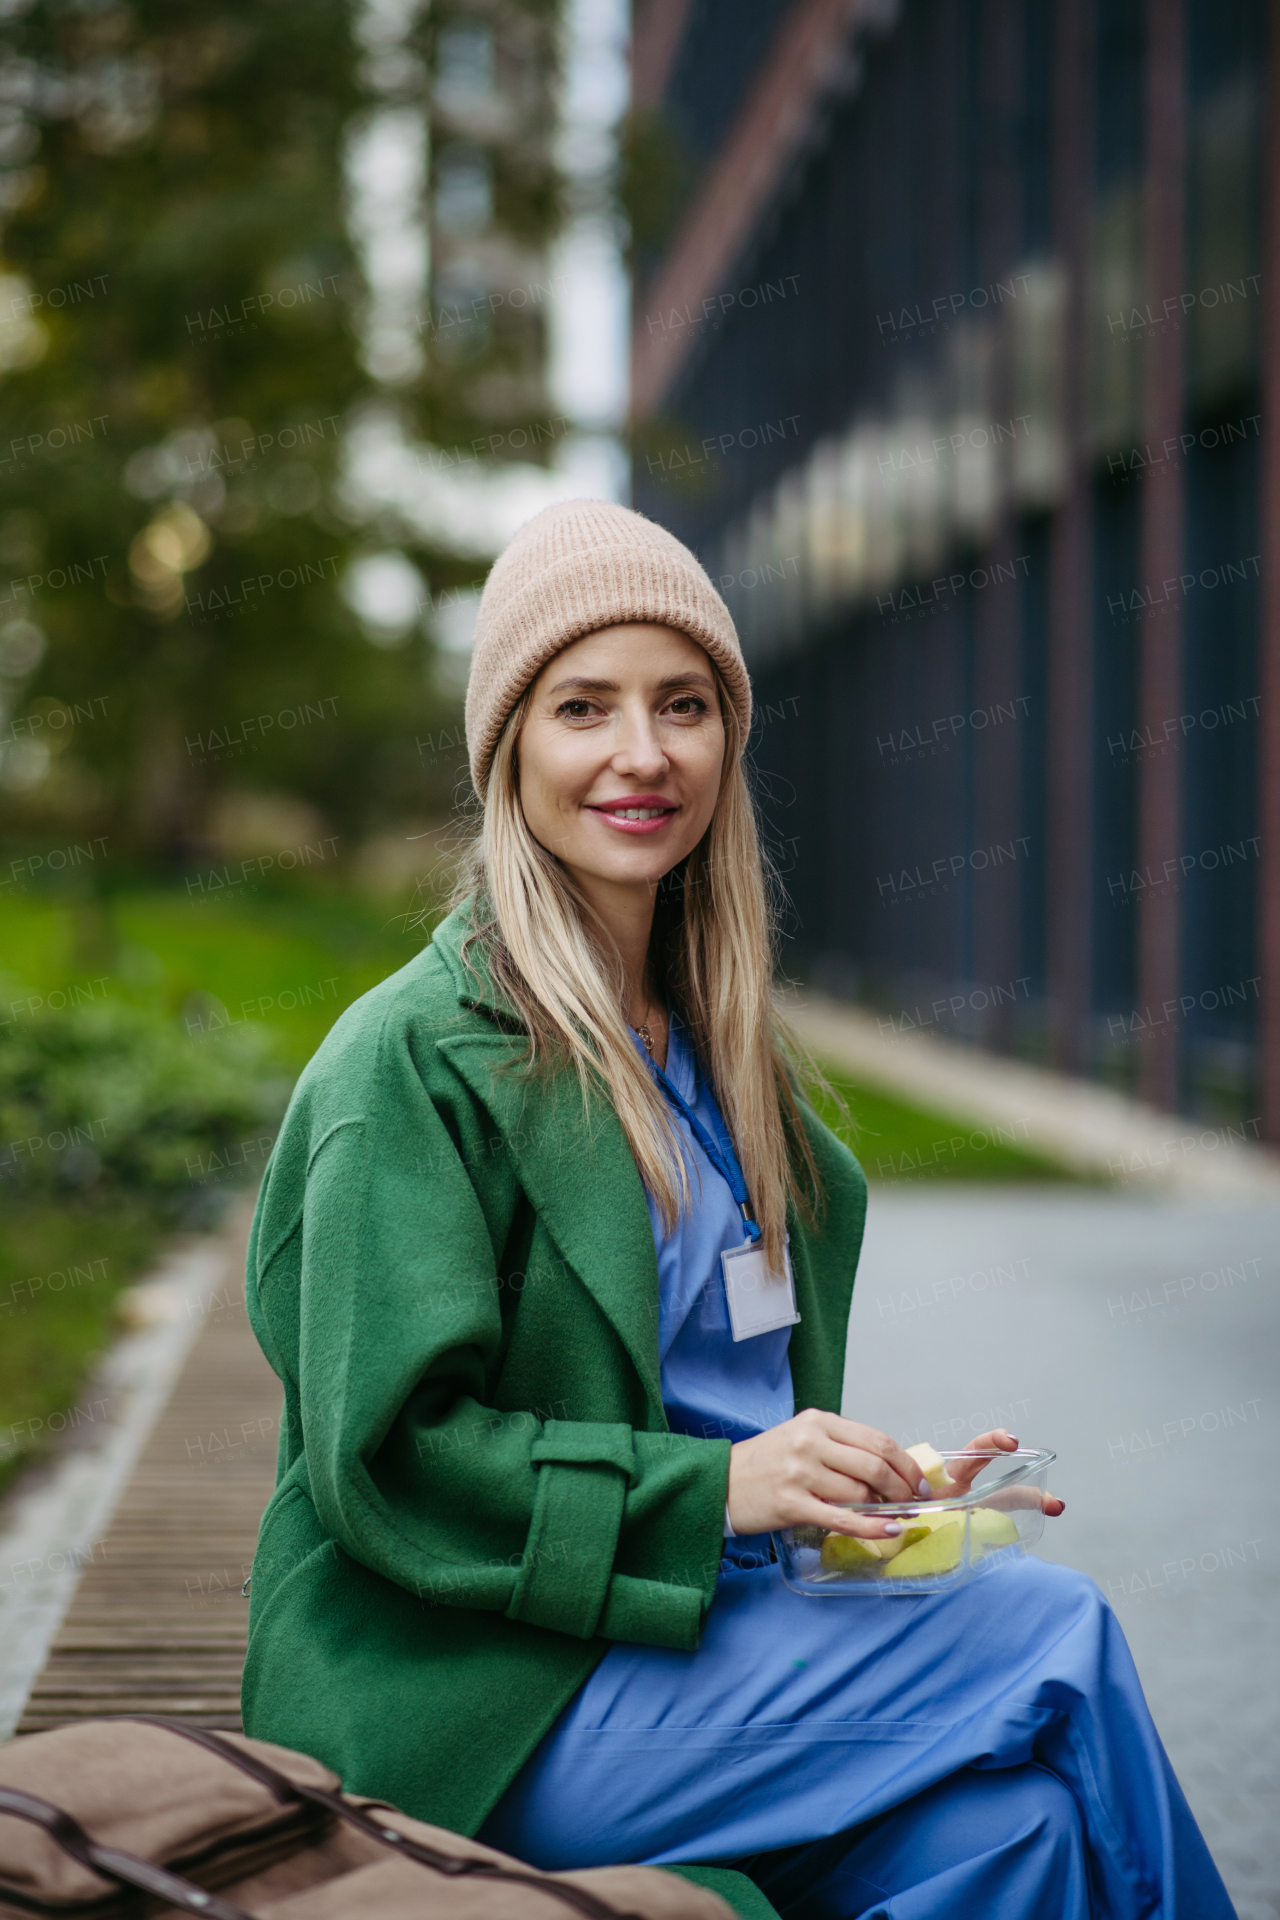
<point x="112" y="1100"/>
<point x="115" y="1126"/>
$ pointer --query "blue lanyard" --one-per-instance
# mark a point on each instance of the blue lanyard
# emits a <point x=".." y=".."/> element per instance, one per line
<point x="720" y="1151"/>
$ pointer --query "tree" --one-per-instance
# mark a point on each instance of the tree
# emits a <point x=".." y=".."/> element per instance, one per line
<point x="179" y="321"/>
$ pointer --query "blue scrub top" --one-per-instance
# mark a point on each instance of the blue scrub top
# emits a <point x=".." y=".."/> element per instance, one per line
<point x="712" y="1386"/>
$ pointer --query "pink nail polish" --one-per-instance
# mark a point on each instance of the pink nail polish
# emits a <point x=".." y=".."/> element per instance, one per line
<point x="924" y="1489"/>
<point x="892" y="1526"/>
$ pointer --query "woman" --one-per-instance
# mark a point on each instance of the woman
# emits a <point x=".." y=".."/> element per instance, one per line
<point x="514" y="1576"/>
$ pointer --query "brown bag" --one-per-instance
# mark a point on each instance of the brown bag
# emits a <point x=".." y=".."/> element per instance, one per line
<point x="116" y="1819"/>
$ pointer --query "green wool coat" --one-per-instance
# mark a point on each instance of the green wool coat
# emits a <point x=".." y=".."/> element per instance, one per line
<point x="452" y="1271"/>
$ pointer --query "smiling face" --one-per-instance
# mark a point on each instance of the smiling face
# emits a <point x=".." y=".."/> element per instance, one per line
<point x="620" y="756"/>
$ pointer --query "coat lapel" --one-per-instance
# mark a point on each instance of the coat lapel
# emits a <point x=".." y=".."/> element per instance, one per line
<point x="582" y="1182"/>
<point x="578" y="1173"/>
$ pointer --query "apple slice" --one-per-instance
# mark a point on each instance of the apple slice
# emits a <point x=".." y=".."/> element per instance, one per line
<point x="940" y="1552"/>
<point x="932" y="1517"/>
<point x="988" y="1530"/>
<point x="931" y="1464"/>
<point x="891" y="1546"/>
<point x="845" y="1553"/>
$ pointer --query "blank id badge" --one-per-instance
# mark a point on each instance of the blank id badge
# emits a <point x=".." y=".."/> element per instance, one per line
<point x="759" y="1301"/>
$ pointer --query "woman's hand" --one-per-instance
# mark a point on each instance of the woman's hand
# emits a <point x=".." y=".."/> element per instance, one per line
<point x="963" y="1472"/>
<point x="790" y="1475"/>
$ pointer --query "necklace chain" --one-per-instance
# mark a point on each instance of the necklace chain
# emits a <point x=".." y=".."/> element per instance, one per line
<point x="643" y="1029"/>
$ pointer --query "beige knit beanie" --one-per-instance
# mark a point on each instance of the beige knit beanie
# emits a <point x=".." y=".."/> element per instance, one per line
<point x="572" y="569"/>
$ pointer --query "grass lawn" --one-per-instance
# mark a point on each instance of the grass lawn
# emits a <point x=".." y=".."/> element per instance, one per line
<point x="61" y="1270"/>
<point x="292" y="961"/>
<point x="895" y="1142"/>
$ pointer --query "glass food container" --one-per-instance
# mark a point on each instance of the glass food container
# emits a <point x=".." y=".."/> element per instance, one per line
<point x="943" y="1540"/>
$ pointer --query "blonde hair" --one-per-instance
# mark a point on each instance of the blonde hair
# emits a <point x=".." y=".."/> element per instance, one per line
<point x="712" y="952"/>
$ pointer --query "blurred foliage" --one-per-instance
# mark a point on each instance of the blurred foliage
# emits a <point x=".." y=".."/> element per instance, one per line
<point x="114" y="1128"/>
<point x="180" y="363"/>
<point x="656" y="175"/>
<point x="493" y="71"/>
<point x="167" y="1028"/>
<point x="116" y="1099"/>
<point x="186" y="186"/>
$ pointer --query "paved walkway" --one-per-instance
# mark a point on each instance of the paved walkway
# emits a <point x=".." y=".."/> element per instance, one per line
<point x="1087" y="1126"/>
<point x="1139" y="1338"/>
<point x="157" y="1622"/>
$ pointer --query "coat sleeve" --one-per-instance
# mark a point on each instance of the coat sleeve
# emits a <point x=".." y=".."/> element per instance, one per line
<point x="584" y="1527"/>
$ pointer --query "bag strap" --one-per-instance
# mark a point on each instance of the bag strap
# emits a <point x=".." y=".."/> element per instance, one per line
<point x="110" y="1863"/>
<point x="285" y="1790"/>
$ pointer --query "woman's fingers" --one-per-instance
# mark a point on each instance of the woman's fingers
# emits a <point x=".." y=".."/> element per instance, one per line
<point x="1053" y="1506"/>
<point x="999" y="1440"/>
<point x="810" y="1469"/>
<point x="890" y="1470"/>
<point x="863" y="1526"/>
<point x="839" y="1487"/>
<point x="871" y="1469"/>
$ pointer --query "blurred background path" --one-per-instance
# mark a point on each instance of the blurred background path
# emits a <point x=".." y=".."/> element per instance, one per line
<point x="1097" y="1132"/>
<point x="1138" y="1338"/>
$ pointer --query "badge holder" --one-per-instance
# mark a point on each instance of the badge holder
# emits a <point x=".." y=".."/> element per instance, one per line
<point x="759" y="1301"/>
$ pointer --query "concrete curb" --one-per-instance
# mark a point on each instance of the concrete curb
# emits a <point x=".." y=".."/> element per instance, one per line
<point x="1091" y="1129"/>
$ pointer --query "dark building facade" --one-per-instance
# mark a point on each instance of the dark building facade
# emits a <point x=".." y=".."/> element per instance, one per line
<point x="950" y="358"/>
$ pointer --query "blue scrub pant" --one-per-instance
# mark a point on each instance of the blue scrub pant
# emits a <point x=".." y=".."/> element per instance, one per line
<point x="984" y="1751"/>
<point x="1009" y="1845"/>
